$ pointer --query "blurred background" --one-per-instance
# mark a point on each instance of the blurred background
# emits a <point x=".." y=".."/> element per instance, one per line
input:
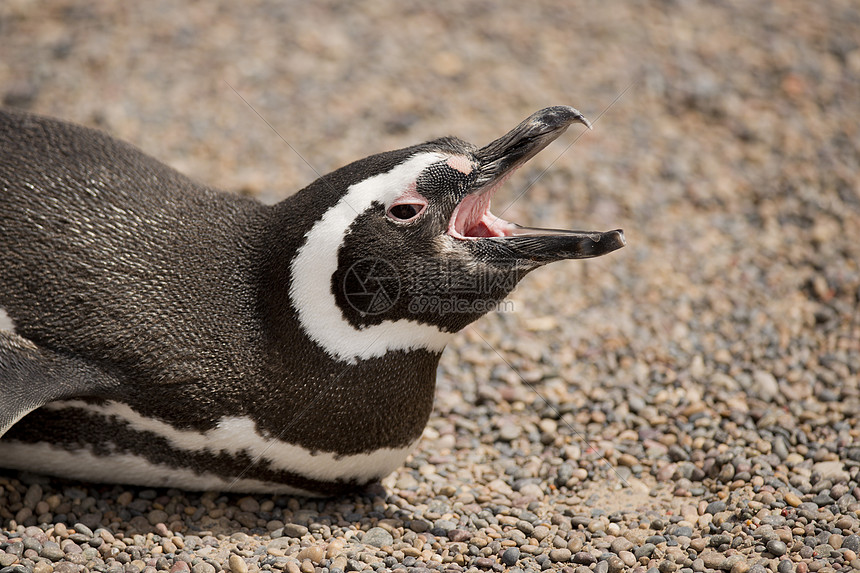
<point x="726" y="144"/>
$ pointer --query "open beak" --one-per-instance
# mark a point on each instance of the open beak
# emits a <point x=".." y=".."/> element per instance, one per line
<point x="473" y="221"/>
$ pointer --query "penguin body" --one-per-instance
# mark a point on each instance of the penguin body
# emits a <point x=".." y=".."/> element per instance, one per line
<point x="163" y="333"/>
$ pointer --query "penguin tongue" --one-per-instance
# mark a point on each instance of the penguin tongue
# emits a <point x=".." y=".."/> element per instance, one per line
<point x="472" y="219"/>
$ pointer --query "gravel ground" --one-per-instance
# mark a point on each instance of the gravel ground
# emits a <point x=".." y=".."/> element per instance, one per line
<point x="689" y="403"/>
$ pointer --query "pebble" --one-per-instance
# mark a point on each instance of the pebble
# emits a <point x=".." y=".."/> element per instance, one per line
<point x="294" y="530"/>
<point x="237" y="564"/>
<point x="852" y="542"/>
<point x="777" y="547"/>
<point x="314" y="553"/>
<point x="377" y="537"/>
<point x="510" y="556"/>
<point x="620" y="544"/>
<point x="52" y="551"/>
<point x="509" y="432"/>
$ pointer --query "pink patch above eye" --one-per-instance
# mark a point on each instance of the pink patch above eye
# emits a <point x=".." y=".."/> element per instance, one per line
<point x="460" y="163"/>
<point x="410" y="197"/>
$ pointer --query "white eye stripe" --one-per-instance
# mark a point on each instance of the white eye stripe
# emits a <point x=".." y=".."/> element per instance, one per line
<point x="316" y="261"/>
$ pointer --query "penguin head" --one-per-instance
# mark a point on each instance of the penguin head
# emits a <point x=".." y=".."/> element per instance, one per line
<point x="407" y="237"/>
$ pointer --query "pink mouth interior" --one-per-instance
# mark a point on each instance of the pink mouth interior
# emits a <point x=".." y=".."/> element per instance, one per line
<point x="472" y="218"/>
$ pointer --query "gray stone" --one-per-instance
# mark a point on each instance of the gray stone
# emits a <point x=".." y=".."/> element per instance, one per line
<point x="776" y="547"/>
<point x="52" y="551"/>
<point x="852" y="542"/>
<point x="377" y="537"/>
<point x="644" y="551"/>
<point x="510" y="556"/>
<point x="294" y="530"/>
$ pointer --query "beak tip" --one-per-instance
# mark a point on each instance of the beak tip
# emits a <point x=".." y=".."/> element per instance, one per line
<point x="562" y="116"/>
<point x="616" y="240"/>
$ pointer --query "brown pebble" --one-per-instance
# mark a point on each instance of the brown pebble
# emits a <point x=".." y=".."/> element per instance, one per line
<point x="249" y="504"/>
<point x="315" y="553"/>
<point x="628" y="558"/>
<point x="791" y="499"/>
<point x="168" y="546"/>
<point x="616" y="565"/>
<point x="237" y="564"/>
<point x="713" y="559"/>
<point x="179" y="567"/>
<point x="307" y="566"/>
<point x="157" y="516"/>
<point x="620" y="544"/>
<point x="541" y="532"/>
<point x="457" y="535"/>
<point x="666" y="472"/>
<point x="334" y="549"/>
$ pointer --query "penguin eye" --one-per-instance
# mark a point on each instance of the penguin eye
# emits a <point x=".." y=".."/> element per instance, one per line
<point x="405" y="211"/>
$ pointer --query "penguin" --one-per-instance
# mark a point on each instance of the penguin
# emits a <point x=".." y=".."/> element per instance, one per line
<point x="159" y="332"/>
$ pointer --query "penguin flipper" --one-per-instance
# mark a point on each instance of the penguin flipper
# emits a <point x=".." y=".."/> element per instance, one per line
<point x="31" y="376"/>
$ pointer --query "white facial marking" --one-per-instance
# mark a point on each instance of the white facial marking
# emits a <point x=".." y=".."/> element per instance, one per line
<point x="316" y="262"/>
<point x="6" y="322"/>
<point x="124" y="468"/>
<point x="234" y="435"/>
